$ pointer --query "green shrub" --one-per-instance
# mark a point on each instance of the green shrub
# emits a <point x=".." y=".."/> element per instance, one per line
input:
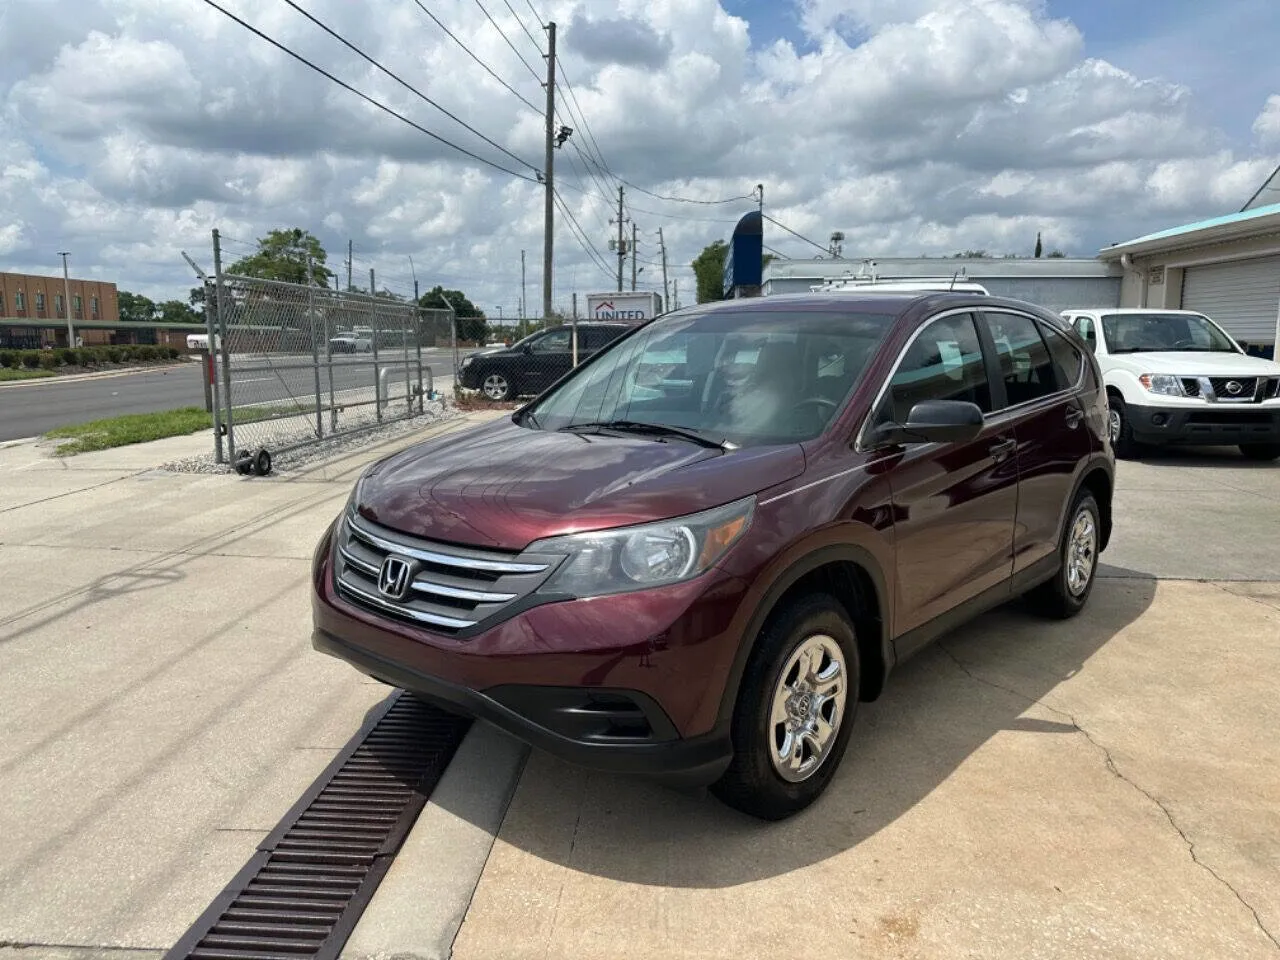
<point x="86" y="356"/>
<point x="8" y="358"/>
<point x="31" y="359"/>
<point x="49" y="360"/>
<point x="66" y="356"/>
<point x="114" y="354"/>
<point x="172" y="353"/>
<point x="146" y="352"/>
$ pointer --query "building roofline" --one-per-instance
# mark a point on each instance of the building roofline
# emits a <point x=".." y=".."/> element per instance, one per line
<point x="1231" y="226"/>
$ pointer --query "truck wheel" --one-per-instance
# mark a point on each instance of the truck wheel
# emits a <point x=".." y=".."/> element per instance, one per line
<point x="1260" y="451"/>
<point x="1120" y="429"/>
<point x="795" y="710"/>
<point x="497" y="387"/>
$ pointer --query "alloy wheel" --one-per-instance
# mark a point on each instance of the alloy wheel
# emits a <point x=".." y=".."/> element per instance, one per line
<point x="1082" y="549"/>
<point x="496" y="387"/>
<point x="1114" y="424"/>
<point x="807" y="708"/>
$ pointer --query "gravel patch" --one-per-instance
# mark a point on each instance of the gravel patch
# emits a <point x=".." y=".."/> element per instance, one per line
<point x="436" y="411"/>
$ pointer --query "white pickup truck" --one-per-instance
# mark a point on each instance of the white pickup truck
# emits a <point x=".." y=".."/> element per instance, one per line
<point x="1176" y="377"/>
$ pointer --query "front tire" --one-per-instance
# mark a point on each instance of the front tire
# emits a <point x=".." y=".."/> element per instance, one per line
<point x="1121" y="429"/>
<point x="795" y="710"/>
<point x="497" y="387"/>
<point x="1261" y="452"/>
<point x="1066" y="594"/>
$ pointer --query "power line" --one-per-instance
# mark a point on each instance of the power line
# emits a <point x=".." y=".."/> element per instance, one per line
<point x="532" y="39"/>
<point x="514" y="92"/>
<point x="364" y="96"/>
<point x="812" y="243"/>
<point x="508" y="39"/>
<point x="781" y="256"/>
<point x="412" y="89"/>
<point x="580" y="235"/>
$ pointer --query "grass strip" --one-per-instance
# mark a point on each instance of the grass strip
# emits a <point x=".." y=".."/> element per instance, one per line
<point x="130" y="428"/>
<point x="8" y="373"/>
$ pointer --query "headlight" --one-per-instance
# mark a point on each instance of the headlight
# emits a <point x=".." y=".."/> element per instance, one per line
<point x="652" y="555"/>
<point x="467" y="361"/>
<point x="1162" y="383"/>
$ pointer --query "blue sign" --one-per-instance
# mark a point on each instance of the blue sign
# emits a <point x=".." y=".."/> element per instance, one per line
<point x="743" y="265"/>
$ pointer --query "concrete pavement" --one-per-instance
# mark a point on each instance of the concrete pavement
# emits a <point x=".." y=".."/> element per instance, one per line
<point x="160" y="702"/>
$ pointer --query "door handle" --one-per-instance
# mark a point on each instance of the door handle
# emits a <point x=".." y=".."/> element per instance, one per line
<point x="1074" y="416"/>
<point x="1001" y="449"/>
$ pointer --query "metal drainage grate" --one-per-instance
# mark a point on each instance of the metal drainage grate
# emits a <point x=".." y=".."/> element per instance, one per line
<point x="301" y="894"/>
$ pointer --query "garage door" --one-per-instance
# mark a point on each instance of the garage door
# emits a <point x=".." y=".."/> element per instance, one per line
<point x="1243" y="296"/>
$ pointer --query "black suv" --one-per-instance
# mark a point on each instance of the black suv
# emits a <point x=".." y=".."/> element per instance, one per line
<point x="528" y="367"/>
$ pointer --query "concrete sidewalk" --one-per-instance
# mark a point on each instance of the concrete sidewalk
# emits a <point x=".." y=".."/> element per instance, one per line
<point x="160" y="702"/>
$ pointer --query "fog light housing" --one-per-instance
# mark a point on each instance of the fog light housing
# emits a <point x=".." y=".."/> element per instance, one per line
<point x="1159" y="419"/>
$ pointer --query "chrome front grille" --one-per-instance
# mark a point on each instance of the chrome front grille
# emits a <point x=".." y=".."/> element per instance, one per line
<point x="440" y="586"/>
<point x="1235" y="389"/>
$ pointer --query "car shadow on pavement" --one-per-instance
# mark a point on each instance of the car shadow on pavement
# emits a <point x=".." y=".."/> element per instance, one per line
<point x="938" y="710"/>
<point x="1228" y="458"/>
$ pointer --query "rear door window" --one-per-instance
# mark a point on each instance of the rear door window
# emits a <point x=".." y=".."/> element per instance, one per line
<point x="1067" y="360"/>
<point x="1025" y="363"/>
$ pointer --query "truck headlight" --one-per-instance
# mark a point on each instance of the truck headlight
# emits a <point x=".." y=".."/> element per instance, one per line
<point x="466" y="361"/>
<point x="1161" y="383"/>
<point x="649" y="555"/>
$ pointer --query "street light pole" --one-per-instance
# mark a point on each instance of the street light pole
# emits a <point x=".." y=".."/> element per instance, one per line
<point x="66" y="293"/>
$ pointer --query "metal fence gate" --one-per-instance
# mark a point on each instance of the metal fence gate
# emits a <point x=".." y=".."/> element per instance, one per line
<point x="296" y="364"/>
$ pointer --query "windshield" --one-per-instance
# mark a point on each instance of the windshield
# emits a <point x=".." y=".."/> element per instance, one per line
<point x="1154" y="332"/>
<point x="748" y="377"/>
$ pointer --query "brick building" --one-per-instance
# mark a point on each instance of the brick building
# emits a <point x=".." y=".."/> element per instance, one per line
<point x="38" y="298"/>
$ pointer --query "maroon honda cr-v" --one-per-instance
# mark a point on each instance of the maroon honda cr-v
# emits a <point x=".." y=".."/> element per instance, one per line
<point x="693" y="556"/>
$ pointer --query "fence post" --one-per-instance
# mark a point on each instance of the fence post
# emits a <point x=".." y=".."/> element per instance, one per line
<point x="210" y="371"/>
<point x="373" y="323"/>
<point x="228" y="401"/>
<point x="406" y="323"/>
<point x="417" y="319"/>
<point x="453" y="337"/>
<point x="315" y="348"/>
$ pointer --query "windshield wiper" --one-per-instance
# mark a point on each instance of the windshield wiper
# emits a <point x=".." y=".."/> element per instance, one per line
<point x="650" y="429"/>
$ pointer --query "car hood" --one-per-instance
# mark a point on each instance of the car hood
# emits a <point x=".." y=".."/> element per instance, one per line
<point x="506" y="486"/>
<point x="1189" y="364"/>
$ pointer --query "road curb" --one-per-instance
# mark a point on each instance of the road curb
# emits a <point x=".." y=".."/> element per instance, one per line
<point x="104" y="375"/>
<point x="421" y="903"/>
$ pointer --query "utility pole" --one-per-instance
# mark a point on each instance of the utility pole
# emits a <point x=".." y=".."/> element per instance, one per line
<point x="666" y="290"/>
<point x="633" y="256"/>
<point x="677" y="306"/>
<point x="66" y="292"/>
<point x="548" y="235"/>
<point x="523" y="293"/>
<point x="348" y="264"/>
<point x="622" y="241"/>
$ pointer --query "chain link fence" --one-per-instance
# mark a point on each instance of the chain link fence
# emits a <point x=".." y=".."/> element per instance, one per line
<point x="296" y="364"/>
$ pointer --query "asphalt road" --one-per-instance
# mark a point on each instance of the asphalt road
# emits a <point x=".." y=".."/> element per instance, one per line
<point x="32" y="408"/>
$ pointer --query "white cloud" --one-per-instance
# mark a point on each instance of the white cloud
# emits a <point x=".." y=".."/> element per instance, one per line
<point x="914" y="126"/>
<point x="1267" y="126"/>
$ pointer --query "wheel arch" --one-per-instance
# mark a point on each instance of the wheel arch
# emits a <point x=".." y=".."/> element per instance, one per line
<point x="853" y="577"/>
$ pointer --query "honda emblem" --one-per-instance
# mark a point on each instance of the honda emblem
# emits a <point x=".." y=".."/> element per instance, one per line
<point x="394" y="577"/>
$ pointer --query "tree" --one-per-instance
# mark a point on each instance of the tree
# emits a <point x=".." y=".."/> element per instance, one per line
<point x="135" y="308"/>
<point x="709" y="268"/>
<point x="282" y="255"/>
<point x="196" y="299"/>
<point x="1039" y="247"/>
<point x="175" y="311"/>
<point x="471" y="320"/>
<point x="970" y="255"/>
<point x="1056" y="255"/>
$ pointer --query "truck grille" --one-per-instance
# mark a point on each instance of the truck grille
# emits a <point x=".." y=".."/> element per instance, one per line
<point x="1246" y="389"/>
<point x="438" y="586"/>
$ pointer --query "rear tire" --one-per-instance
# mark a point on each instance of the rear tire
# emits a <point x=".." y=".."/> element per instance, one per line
<point x="803" y="673"/>
<point x="1260" y="451"/>
<point x="1066" y="594"/>
<point x="1121" y="429"/>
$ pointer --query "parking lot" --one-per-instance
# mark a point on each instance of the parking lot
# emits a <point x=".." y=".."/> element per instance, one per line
<point x="1106" y="786"/>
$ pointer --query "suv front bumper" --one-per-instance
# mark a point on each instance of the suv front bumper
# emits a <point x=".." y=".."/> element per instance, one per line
<point x="1207" y="424"/>
<point x="629" y="683"/>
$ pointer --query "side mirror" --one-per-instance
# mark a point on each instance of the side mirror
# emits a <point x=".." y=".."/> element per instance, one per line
<point x="935" y="421"/>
